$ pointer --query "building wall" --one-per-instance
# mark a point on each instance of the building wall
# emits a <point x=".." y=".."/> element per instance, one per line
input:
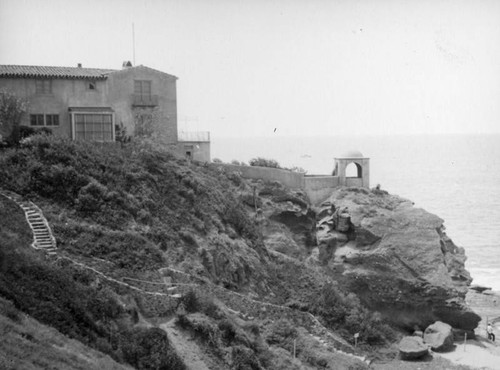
<point x="363" y="163"/>
<point x="121" y="91"/>
<point x="115" y="92"/>
<point x="65" y="93"/>
<point x="319" y="188"/>
<point x="200" y="151"/>
<point x="294" y="180"/>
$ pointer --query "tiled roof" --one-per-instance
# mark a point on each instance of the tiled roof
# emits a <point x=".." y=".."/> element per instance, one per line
<point x="196" y="136"/>
<point x="16" y="71"/>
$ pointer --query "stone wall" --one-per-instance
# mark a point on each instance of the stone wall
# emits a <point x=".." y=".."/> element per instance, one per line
<point x="317" y="188"/>
<point x="293" y="180"/>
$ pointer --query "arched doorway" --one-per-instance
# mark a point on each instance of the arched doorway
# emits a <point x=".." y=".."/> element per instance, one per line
<point x="353" y="169"/>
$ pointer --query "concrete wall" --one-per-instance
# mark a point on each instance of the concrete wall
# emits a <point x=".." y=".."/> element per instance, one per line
<point x="65" y="93"/>
<point x="200" y="150"/>
<point x="294" y="180"/>
<point x="319" y="188"/>
<point x="121" y="91"/>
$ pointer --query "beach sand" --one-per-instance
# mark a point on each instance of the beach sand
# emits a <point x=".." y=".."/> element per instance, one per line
<point x="480" y="353"/>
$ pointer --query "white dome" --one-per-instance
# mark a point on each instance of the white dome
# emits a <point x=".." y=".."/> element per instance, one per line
<point x="352" y="154"/>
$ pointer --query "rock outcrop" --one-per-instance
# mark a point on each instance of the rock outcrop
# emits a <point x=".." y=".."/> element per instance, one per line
<point x="412" y="348"/>
<point x="439" y="336"/>
<point x="398" y="259"/>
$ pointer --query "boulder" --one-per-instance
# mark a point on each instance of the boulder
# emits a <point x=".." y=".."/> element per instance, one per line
<point x="412" y="348"/>
<point x="405" y="266"/>
<point x="439" y="336"/>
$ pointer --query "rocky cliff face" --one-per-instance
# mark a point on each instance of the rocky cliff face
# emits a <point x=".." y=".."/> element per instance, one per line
<point x="396" y="258"/>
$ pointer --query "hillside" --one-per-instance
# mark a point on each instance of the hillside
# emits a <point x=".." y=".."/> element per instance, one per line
<point x="162" y="263"/>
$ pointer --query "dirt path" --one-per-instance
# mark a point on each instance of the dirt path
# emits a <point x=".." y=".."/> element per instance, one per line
<point x="185" y="347"/>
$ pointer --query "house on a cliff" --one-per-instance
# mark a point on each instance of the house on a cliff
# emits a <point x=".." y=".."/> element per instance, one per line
<point x="91" y="103"/>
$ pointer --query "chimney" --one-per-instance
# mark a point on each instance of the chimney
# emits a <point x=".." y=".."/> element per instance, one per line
<point x="126" y="64"/>
<point x="79" y="65"/>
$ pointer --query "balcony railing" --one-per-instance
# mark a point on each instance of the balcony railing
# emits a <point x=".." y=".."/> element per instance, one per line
<point x="144" y="100"/>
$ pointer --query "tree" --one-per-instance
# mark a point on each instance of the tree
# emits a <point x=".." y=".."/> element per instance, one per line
<point x="12" y="109"/>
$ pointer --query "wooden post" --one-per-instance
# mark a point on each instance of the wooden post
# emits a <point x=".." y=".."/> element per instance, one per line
<point x="465" y="341"/>
<point x="294" y="347"/>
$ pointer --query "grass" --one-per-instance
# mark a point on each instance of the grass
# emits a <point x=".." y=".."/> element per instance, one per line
<point x="27" y="344"/>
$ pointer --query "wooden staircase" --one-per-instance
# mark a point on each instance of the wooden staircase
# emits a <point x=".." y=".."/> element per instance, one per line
<point x="43" y="239"/>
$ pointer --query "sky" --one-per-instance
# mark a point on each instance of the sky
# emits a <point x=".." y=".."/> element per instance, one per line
<point x="285" y="67"/>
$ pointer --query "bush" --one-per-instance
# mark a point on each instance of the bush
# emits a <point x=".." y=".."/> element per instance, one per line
<point x="263" y="162"/>
<point x="197" y="302"/>
<point x="126" y="250"/>
<point x="346" y="314"/>
<point x="244" y="359"/>
<point x="282" y="333"/>
<point x="150" y="349"/>
<point x="203" y="326"/>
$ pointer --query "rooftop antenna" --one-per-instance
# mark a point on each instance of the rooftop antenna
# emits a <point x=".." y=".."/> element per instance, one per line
<point x="133" y="42"/>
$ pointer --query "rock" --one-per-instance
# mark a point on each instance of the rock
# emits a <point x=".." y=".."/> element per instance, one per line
<point x="412" y="348"/>
<point x="439" y="336"/>
<point x="405" y="266"/>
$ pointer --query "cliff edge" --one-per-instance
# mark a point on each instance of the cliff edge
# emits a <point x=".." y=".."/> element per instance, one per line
<point x="397" y="258"/>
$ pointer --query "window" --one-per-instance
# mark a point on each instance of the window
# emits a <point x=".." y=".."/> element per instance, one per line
<point x="142" y="88"/>
<point x="44" y="119"/>
<point x="36" y="120"/>
<point x="91" y="85"/>
<point x="43" y="86"/>
<point x="52" y="120"/>
<point x="94" y="127"/>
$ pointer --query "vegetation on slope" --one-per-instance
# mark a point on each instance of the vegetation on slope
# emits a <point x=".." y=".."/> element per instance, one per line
<point x="142" y="213"/>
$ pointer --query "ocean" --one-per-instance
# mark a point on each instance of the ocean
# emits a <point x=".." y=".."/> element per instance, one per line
<point x="456" y="177"/>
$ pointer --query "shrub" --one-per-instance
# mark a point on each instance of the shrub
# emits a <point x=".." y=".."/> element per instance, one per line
<point x="203" y="326"/>
<point x="263" y="162"/>
<point x="12" y="110"/>
<point x="150" y="349"/>
<point x="197" y="302"/>
<point x="11" y="312"/>
<point x="282" y="333"/>
<point x="244" y="359"/>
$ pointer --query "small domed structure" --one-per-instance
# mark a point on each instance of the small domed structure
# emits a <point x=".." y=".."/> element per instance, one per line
<point x="352" y="154"/>
<point x="355" y="157"/>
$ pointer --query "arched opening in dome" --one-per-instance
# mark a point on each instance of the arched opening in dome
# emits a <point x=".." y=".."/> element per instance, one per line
<point x="353" y="169"/>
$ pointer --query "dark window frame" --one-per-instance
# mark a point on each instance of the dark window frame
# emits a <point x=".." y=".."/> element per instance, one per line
<point x="91" y="85"/>
<point x="143" y="88"/>
<point x="94" y="127"/>
<point x="43" y="86"/>
<point x="37" y="120"/>
<point x="44" y="120"/>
